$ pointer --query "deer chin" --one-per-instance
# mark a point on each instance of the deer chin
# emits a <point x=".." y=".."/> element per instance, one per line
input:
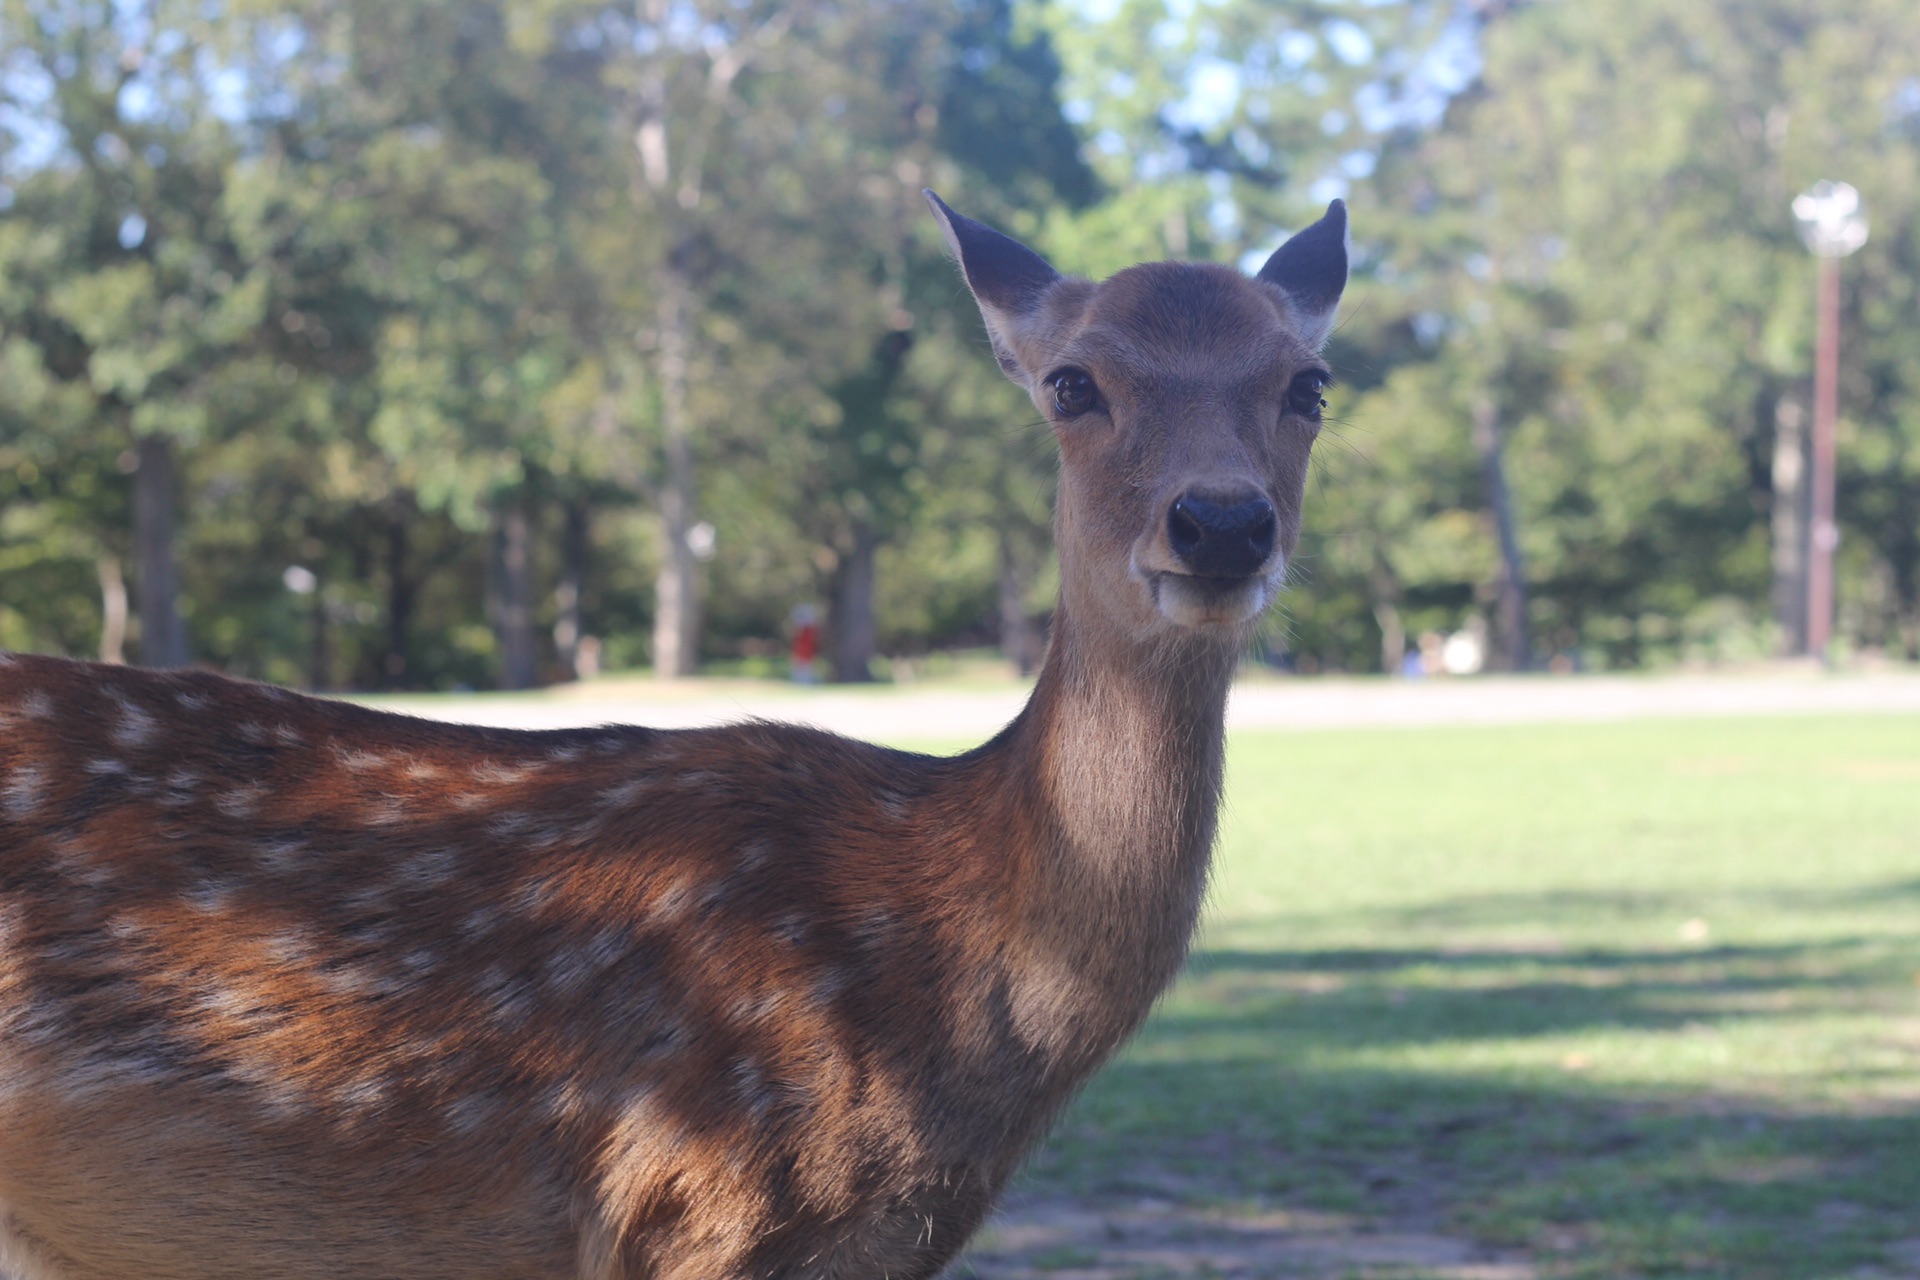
<point x="1210" y="604"/>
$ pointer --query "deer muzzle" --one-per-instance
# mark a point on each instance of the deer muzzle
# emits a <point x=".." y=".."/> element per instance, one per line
<point x="1227" y="538"/>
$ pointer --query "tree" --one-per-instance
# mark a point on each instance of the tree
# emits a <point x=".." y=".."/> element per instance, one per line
<point x="125" y="277"/>
<point x="1624" y="184"/>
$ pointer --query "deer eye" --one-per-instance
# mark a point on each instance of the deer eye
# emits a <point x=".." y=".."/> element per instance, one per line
<point x="1303" y="393"/>
<point x="1073" y="392"/>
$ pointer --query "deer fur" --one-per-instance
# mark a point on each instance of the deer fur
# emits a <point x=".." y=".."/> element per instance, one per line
<point x="291" y="988"/>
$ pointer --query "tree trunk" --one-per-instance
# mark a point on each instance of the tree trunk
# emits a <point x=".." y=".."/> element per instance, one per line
<point x="1019" y="638"/>
<point x="401" y="588"/>
<point x="1384" y="587"/>
<point x="320" y="643"/>
<point x="573" y="576"/>
<point x="1789" y="519"/>
<point x="163" y="636"/>
<point x="1903" y="557"/>
<point x="113" y="610"/>
<point x="1513" y="650"/>
<point x="513" y="593"/>
<point x="1393" y="636"/>
<point x="850" y="625"/>
<point x="676" y="618"/>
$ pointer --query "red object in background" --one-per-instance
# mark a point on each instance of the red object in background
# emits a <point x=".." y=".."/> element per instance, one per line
<point x="806" y="642"/>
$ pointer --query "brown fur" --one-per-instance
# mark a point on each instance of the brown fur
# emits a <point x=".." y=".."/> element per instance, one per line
<point x="292" y="988"/>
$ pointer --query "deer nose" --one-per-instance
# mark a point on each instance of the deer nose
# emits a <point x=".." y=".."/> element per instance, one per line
<point x="1221" y="539"/>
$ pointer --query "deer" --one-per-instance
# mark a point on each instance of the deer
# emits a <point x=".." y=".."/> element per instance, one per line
<point x="295" y="988"/>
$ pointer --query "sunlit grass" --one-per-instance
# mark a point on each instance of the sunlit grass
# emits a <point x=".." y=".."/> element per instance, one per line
<point x="1638" y="999"/>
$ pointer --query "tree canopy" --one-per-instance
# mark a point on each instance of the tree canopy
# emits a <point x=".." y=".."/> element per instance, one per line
<point x="468" y="342"/>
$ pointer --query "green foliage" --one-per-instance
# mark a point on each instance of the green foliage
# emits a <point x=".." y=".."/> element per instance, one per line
<point x="386" y="272"/>
<point x="1597" y="241"/>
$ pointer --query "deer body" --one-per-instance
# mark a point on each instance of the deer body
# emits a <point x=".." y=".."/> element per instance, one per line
<point x="293" y="988"/>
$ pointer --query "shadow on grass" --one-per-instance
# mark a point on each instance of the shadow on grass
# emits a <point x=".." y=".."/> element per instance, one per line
<point x="1250" y="1085"/>
<point x="1546" y="909"/>
<point x="1314" y="1000"/>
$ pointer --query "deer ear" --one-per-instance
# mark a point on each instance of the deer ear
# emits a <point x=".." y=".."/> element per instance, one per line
<point x="1311" y="270"/>
<point x="1008" y="280"/>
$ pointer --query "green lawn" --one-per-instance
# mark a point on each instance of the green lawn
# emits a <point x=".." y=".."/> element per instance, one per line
<point x="1635" y="1000"/>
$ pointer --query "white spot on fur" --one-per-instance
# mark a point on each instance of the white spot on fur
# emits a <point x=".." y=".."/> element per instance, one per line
<point x="622" y="794"/>
<point x="37" y="705"/>
<point x="754" y="853"/>
<point x="828" y="985"/>
<point x="104" y="768"/>
<point x="750" y="1085"/>
<point x="281" y="854"/>
<point x="80" y="861"/>
<point x="538" y="894"/>
<point x="369" y="899"/>
<point x="510" y="825"/>
<point x="25" y="790"/>
<point x="180" y="788"/>
<point x="672" y="902"/>
<point x="423" y="769"/>
<point x="293" y="948"/>
<point x="753" y="1010"/>
<point x="480" y="922"/>
<point x="608" y="948"/>
<point x="191" y="701"/>
<point x="564" y="1102"/>
<point x="507" y="999"/>
<point x="874" y="930"/>
<point x="240" y="803"/>
<point x="209" y="897"/>
<point x="568" y="971"/>
<point x="384" y="812"/>
<point x="13" y="919"/>
<point x="793" y="928"/>
<point x="272" y="1092"/>
<point x="500" y="774"/>
<point x="432" y="867"/>
<point x="288" y="736"/>
<point x="353" y="979"/>
<point x="366" y="1094"/>
<point x="222" y="1001"/>
<point x="361" y="761"/>
<point x="135" y="727"/>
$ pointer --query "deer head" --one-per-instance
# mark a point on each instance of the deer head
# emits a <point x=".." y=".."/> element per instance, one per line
<point x="1185" y="398"/>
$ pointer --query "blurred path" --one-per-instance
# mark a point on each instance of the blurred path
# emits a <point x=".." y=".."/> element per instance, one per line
<point x="959" y="713"/>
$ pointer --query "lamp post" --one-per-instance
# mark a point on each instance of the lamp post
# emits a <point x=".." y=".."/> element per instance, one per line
<point x="1833" y="223"/>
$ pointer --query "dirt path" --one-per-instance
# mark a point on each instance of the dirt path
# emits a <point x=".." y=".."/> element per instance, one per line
<point x="1155" y="1240"/>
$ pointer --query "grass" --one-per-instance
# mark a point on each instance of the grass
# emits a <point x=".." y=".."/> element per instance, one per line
<point x="1636" y="999"/>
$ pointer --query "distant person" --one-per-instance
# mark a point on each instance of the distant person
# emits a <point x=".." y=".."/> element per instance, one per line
<point x="806" y="645"/>
<point x="1431" y="645"/>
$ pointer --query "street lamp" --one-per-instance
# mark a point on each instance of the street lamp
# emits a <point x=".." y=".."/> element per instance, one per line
<point x="1833" y="223"/>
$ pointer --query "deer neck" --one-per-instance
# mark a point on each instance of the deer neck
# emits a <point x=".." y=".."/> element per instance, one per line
<point x="1130" y="743"/>
<point x="1115" y="765"/>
